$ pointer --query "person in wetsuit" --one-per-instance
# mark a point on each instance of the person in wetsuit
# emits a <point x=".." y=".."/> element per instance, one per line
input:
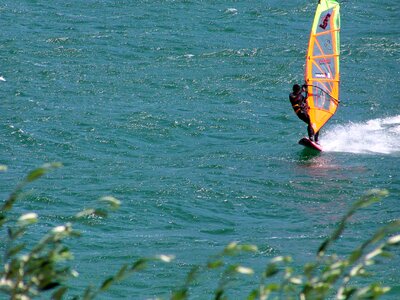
<point x="300" y="107"/>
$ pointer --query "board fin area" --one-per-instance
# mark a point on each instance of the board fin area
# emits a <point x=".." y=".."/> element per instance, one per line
<point x="306" y="142"/>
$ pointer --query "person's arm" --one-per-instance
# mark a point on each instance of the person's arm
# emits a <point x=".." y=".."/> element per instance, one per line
<point x="304" y="86"/>
<point x="304" y="89"/>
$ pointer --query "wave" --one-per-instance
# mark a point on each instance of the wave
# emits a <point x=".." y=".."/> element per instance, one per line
<point x="373" y="136"/>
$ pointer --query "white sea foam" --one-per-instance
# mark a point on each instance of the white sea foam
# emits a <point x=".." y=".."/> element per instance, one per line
<point x="373" y="136"/>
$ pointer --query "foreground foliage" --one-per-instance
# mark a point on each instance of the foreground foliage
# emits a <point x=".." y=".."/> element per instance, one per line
<point x="29" y="271"/>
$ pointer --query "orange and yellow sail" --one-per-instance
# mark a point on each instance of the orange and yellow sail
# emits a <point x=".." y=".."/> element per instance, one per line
<point x="322" y="73"/>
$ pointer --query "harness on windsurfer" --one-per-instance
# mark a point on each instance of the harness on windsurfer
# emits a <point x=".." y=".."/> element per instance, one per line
<point x="300" y="107"/>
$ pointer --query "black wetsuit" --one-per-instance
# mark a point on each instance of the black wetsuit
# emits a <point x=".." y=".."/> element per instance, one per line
<point x="300" y="107"/>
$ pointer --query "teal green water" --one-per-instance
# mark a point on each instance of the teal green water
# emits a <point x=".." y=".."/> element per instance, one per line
<point x="180" y="110"/>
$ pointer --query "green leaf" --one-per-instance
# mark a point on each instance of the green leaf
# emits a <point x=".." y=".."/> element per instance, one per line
<point x="39" y="172"/>
<point x="309" y="269"/>
<point x="107" y="283"/>
<point x="394" y="240"/>
<point x="49" y="286"/>
<point x="371" y="197"/>
<point x="387" y="254"/>
<point x="346" y="293"/>
<point x="165" y="258"/>
<point x="63" y="255"/>
<point x="121" y="273"/>
<point x="88" y="294"/>
<point x="14" y="250"/>
<point x="114" y="203"/>
<point x="27" y="219"/>
<point x="296" y="280"/>
<point x="372" y="254"/>
<point x="215" y="264"/>
<point x="332" y="276"/>
<point x="100" y="213"/>
<point x="253" y="295"/>
<point x="380" y="235"/>
<point x="285" y="259"/>
<point x="357" y="269"/>
<point x="219" y="294"/>
<point x="231" y="248"/>
<point x="192" y="275"/>
<point x="3" y="219"/>
<point x="138" y="265"/>
<point x="85" y="213"/>
<point x="355" y="255"/>
<point x="58" y="295"/>
<point x="271" y="270"/>
<point x="272" y="287"/>
<point x="249" y="248"/>
<point x="11" y="200"/>
<point x="35" y="174"/>
<point x="14" y="234"/>
<point x="244" y="270"/>
<point x="180" y="294"/>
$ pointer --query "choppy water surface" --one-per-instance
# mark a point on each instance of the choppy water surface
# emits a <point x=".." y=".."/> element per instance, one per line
<point x="180" y="110"/>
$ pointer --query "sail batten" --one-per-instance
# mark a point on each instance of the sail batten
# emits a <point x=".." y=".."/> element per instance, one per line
<point x="327" y="32"/>
<point x="322" y="74"/>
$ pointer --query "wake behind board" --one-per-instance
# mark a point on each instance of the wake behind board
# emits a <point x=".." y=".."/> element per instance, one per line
<point x="306" y="142"/>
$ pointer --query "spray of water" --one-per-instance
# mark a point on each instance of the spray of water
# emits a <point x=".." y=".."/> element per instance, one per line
<point x="374" y="136"/>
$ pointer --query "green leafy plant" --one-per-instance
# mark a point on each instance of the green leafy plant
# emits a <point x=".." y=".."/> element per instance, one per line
<point x="330" y="275"/>
<point x="217" y="262"/>
<point x="29" y="271"/>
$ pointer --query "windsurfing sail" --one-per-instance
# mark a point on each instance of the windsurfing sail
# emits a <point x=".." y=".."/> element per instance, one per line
<point x="322" y="74"/>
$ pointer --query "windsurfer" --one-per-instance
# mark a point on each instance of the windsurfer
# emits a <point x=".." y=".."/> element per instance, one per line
<point x="300" y="107"/>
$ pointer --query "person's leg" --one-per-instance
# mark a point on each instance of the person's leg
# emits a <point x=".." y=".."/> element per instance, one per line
<point x="316" y="137"/>
<point x="310" y="132"/>
<point x="306" y="119"/>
